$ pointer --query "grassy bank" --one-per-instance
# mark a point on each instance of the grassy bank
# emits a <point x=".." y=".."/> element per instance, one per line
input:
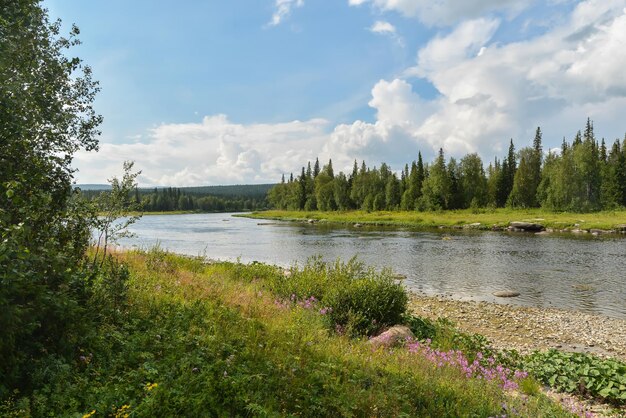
<point x="486" y="218"/>
<point x="179" y="337"/>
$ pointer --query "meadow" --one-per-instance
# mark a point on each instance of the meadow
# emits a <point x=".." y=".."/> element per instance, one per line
<point x="181" y="337"/>
<point x="488" y="218"/>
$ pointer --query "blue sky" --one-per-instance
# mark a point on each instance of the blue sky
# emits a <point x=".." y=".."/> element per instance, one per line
<point x="220" y="92"/>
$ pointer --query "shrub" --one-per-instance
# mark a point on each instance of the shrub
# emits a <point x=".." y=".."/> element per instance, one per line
<point x="360" y="300"/>
<point x="365" y="305"/>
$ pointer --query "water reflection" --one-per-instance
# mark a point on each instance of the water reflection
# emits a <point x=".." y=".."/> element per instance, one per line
<point x="575" y="272"/>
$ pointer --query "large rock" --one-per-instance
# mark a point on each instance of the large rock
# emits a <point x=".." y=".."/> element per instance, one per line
<point x="506" y="294"/>
<point x="526" y="226"/>
<point x="392" y="336"/>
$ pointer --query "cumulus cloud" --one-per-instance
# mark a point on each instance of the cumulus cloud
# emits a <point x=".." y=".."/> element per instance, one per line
<point x="507" y="90"/>
<point x="392" y="138"/>
<point x="214" y="151"/>
<point x="446" y="12"/>
<point x="381" y="27"/>
<point x="282" y="9"/>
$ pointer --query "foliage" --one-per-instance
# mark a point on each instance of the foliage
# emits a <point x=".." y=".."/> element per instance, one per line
<point x="358" y="300"/>
<point x="45" y="117"/>
<point x="199" y="339"/>
<point x="199" y="199"/>
<point x="113" y="204"/>
<point x="583" y="177"/>
<point x="580" y="373"/>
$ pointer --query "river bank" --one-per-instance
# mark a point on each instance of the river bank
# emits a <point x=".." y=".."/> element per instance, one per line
<point x="608" y="222"/>
<point x="526" y="329"/>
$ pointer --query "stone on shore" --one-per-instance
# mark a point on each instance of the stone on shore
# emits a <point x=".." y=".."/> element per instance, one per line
<point x="526" y="226"/>
<point x="391" y="337"/>
<point x="506" y="294"/>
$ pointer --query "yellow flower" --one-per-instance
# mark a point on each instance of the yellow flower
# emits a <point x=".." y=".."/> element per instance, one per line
<point x="150" y="386"/>
<point x="90" y="414"/>
<point x="122" y="411"/>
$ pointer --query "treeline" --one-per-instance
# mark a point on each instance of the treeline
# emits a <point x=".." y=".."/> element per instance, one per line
<point x="181" y="199"/>
<point x="584" y="176"/>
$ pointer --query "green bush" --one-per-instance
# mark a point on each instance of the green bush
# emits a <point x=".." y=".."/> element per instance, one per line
<point x="358" y="300"/>
<point x="365" y="305"/>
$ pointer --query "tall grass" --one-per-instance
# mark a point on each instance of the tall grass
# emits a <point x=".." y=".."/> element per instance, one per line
<point x="196" y="339"/>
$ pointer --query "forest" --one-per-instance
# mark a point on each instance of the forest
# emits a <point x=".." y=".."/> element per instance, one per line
<point x="235" y="198"/>
<point x="583" y="176"/>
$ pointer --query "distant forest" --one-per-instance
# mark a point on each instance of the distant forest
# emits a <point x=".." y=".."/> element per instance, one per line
<point x="235" y="198"/>
<point x="584" y="176"/>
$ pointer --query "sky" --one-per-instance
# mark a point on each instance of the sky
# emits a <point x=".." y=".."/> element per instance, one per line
<point x="208" y="92"/>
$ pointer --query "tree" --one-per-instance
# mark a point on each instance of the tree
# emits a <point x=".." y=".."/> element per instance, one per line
<point x="46" y="115"/>
<point x="473" y="181"/>
<point x="325" y="189"/>
<point x="455" y="200"/>
<point x="114" y="204"/>
<point x="436" y="187"/>
<point x="527" y="177"/>
<point x="392" y="193"/>
<point x="613" y="178"/>
<point x="523" y="194"/>
<point x="506" y="178"/>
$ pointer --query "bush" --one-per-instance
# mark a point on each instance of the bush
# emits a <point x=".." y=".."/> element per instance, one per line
<point x="361" y="301"/>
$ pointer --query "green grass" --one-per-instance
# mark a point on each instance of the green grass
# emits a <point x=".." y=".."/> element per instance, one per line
<point x="194" y="339"/>
<point x="487" y="218"/>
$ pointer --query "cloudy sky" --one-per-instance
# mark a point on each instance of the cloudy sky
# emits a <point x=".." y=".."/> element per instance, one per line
<point x="239" y="91"/>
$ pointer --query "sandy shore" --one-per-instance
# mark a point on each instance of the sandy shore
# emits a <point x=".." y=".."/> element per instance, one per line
<point x="526" y="328"/>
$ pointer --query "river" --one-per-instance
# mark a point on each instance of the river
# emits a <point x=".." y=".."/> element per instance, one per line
<point x="582" y="273"/>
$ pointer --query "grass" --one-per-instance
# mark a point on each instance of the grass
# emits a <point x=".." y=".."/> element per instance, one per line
<point x="197" y="339"/>
<point x="486" y="217"/>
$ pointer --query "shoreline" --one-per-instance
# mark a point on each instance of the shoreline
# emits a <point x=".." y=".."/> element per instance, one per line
<point x="611" y="224"/>
<point x="527" y="329"/>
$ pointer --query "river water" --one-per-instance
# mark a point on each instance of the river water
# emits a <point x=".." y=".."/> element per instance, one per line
<point x="582" y="273"/>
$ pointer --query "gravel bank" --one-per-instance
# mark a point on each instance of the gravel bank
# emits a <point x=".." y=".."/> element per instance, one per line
<point x="526" y="328"/>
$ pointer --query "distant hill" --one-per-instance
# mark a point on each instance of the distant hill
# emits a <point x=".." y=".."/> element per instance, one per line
<point x="94" y="186"/>
<point x="233" y="190"/>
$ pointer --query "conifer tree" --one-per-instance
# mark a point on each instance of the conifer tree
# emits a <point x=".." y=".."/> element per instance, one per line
<point x="436" y="187"/>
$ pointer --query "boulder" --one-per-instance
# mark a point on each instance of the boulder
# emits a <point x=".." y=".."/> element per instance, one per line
<point x="526" y="226"/>
<point x="392" y="336"/>
<point x="506" y="294"/>
<point x="474" y="225"/>
<point x="600" y="231"/>
<point x="621" y="228"/>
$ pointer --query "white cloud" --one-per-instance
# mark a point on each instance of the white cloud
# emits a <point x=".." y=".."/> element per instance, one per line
<point x="383" y="27"/>
<point x="215" y="151"/>
<point x="446" y="12"/>
<point x="464" y="42"/>
<point x="283" y="9"/>
<point x="555" y="80"/>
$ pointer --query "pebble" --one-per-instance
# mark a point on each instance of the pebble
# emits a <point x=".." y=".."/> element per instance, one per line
<point x="530" y="328"/>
